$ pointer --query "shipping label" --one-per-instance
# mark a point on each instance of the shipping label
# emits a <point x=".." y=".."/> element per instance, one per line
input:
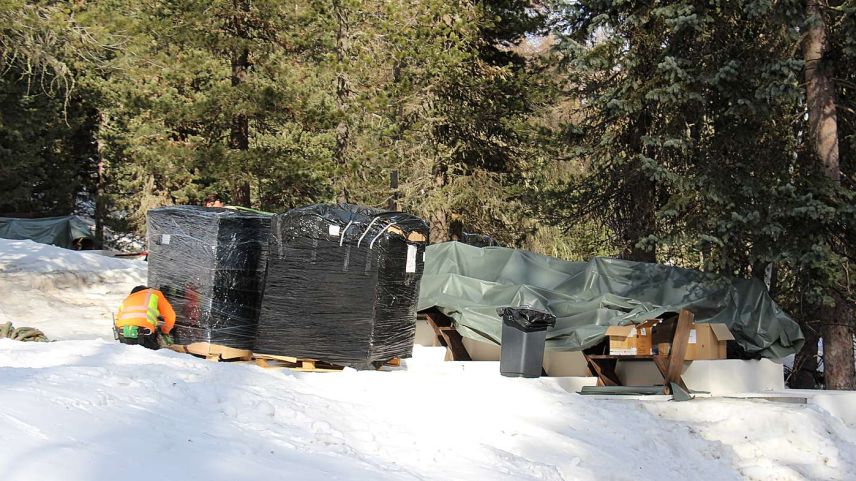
<point x="410" y="265"/>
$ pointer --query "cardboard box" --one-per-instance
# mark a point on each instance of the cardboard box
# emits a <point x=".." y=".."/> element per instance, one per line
<point x="708" y="341"/>
<point x="630" y="340"/>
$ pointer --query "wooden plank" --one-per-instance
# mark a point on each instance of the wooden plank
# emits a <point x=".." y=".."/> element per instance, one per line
<point x="662" y="363"/>
<point x="210" y="350"/>
<point x="448" y="335"/>
<point x="276" y="357"/>
<point x="314" y="369"/>
<point x="301" y="365"/>
<point x="679" y="349"/>
<point x="271" y="360"/>
<point x="604" y="378"/>
<point x="609" y="370"/>
<point x="628" y="357"/>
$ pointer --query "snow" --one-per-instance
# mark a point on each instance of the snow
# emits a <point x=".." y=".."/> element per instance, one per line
<point x="67" y="294"/>
<point x="90" y="409"/>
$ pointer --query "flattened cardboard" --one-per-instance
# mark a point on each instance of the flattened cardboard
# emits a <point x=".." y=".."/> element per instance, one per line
<point x="721" y="332"/>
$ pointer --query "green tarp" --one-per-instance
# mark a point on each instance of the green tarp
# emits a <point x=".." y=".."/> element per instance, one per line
<point x="58" y="231"/>
<point x="468" y="283"/>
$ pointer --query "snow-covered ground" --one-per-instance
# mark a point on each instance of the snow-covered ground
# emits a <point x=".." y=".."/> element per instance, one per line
<point x="91" y="409"/>
<point x="67" y="294"/>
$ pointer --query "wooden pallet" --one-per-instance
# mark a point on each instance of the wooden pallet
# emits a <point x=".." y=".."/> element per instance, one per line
<point x="213" y="352"/>
<point x="294" y="363"/>
<point x="219" y="353"/>
<point x="304" y="365"/>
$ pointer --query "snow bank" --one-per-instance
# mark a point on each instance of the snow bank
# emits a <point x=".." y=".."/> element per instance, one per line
<point x="95" y="410"/>
<point x="67" y="294"/>
<point x="772" y="441"/>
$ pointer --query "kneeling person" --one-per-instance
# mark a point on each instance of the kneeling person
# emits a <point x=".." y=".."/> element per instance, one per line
<point x="138" y="319"/>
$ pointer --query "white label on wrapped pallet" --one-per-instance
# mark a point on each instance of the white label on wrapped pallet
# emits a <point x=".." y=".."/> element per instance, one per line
<point x="165" y="239"/>
<point x="642" y="331"/>
<point x="333" y="229"/>
<point x="693" y="337"/>
<point x="410" y="266"/>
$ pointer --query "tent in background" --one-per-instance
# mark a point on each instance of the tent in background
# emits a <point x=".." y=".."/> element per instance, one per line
<point x="58" y="231"/>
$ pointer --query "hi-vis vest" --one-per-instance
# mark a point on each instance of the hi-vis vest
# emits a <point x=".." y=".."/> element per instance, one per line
<point x="142" y="309"/>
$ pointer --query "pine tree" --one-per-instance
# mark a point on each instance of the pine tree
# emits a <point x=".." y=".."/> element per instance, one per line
<point x="220" y="97"/>
<point x="701" y="111"/>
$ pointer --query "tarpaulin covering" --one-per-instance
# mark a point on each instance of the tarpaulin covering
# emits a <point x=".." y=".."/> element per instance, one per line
<point x="469" y="283"/>
<point x="342" y="285"/>
<point x="58" y="231"/>
<point x="210" y="265"/>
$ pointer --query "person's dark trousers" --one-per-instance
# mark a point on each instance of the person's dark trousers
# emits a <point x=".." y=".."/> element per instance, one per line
<point x="149" y="341"/>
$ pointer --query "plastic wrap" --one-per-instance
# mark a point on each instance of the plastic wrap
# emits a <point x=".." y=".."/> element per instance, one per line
<point x="210" y="265"/>
<point x="342" y="285"/>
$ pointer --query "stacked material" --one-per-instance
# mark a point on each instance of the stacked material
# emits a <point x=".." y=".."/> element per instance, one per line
<point x="342" y="285"/>
<point x="468" y="284"/>
<point x="210" y="265"/>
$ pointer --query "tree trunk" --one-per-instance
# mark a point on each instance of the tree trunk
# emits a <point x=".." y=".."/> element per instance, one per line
<point x="823" y="129"/>
<point x="439" y="216"/>
<point x="839" y="372"/>
<point x="638" y="214"/>
<point x="239" y="135"/>
<point x="342" y="129"/>
<point x="100" y="206"/>
<point x="820" y="96"/>
<point x="639" y="218"/>
<point x="392" y="204"/>
<point x="439" y="229"/>
<point x="804" y="371"/>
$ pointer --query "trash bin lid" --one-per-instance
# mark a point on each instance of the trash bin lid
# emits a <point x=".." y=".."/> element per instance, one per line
<point x="525" y="318"/>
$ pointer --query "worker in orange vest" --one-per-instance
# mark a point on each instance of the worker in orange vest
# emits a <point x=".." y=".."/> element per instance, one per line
<point x="139" y="317"/>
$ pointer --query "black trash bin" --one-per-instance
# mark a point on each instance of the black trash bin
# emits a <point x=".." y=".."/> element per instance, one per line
<point x="524" y="331"/>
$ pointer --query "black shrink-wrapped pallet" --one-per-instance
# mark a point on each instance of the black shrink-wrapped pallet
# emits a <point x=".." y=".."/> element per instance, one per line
<point x="342" y="285"/>
<point x="210" y="265"/>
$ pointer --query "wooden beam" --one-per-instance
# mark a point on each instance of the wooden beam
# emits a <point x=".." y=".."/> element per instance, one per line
<point x="605" y="375"/>
<point x="448" y="335"/>
<point x="679" y="349"/>
<point x="210" y="350"/>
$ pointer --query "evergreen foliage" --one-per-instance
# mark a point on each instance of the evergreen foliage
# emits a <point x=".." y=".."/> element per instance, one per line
<point x="692" y="121"/>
